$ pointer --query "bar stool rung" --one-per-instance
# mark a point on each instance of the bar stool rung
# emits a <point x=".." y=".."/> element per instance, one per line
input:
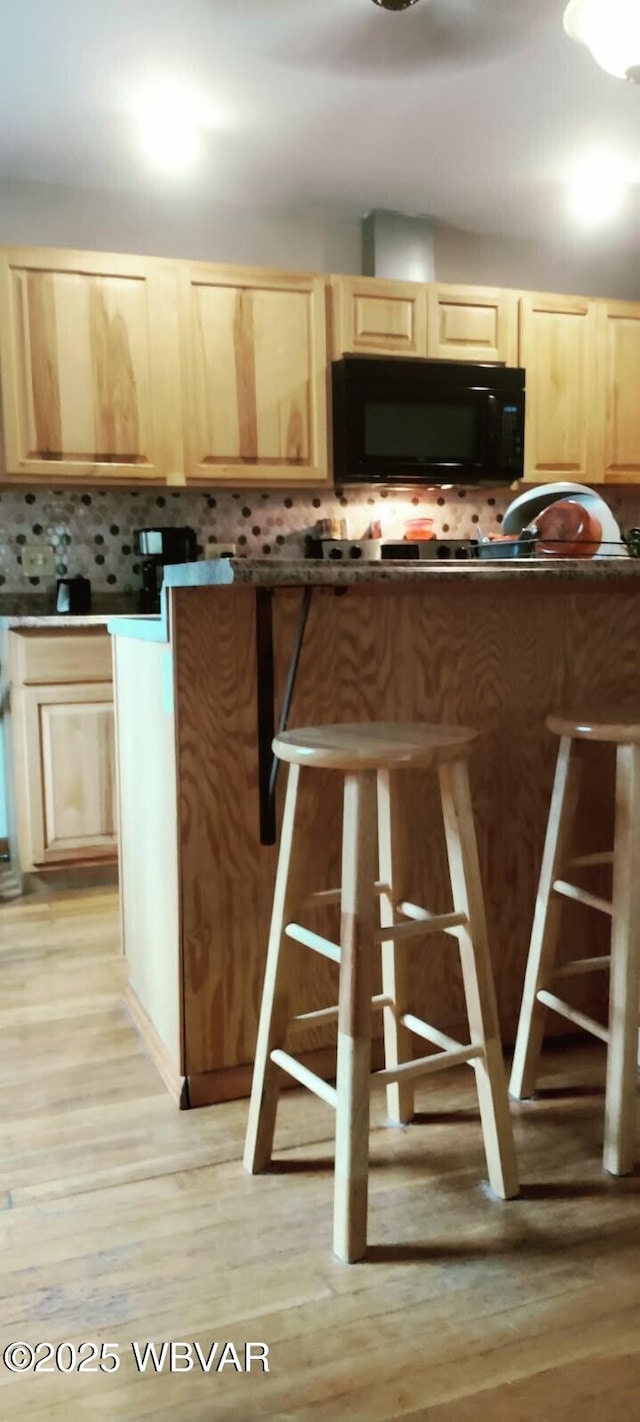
<point x="306" y="1078"/>
<point x="434" y="923"/>
<point x="423" y="915"/>
<point x="329" y="1014"/>
<point x="430" y="1034"/>
<point x="313" y="940"/>
<point x="564" y="1009"/>
<point x="424" y="1066"/>
<point x="582" y="965"/>
<point x="333" y="896"/>
<point x="587" y="861"/>
<point x="571" y="891"/>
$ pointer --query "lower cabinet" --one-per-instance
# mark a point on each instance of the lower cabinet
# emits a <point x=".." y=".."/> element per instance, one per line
<point x="62" y="750"/>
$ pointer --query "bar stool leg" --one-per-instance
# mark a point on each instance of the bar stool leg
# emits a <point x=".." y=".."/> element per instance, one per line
<point x="464" y="868"/>
<point x="275" y="1010"/>
<point x="354" y="1016"/>
<point x="546" y="922"/>
<point x="395" y="976"/>
<point x="624" y="989"/>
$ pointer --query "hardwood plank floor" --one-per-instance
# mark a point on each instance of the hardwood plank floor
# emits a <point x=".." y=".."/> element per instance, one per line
<point x="123" y="1219"/>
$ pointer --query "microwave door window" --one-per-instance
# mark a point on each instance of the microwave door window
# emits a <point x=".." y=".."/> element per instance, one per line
<point x="438" y="433"/>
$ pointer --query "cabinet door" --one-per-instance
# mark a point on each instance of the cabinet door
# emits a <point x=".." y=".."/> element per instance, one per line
<point x="373" y="316"/>
<point x="90" y="367"/>
<point x="254" y="352"/>
<point x="69" y="810"/>
<point x="558" y="350"/>
<point x="472" y="323"/>
<point x="619" y="382"/>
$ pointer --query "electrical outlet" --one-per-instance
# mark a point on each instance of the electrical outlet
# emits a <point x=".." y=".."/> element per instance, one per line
<point x="38" y="560"/>
<point x="221" y="550"/>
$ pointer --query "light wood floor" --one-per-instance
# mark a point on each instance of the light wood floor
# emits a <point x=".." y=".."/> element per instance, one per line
<point x="123" y="1219"/>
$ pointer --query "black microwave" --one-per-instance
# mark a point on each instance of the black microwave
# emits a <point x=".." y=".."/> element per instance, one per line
<point x="402" y="421"/>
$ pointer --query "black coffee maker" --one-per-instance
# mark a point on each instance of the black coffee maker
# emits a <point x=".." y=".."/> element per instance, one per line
<point x="156" y="547"/>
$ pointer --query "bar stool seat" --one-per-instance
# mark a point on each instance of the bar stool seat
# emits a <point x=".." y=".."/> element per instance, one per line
<point x="365" y="754"/>
<point x="543" y="974"/>
<point x="375" y="745"/>
<point x="606" y="725"/>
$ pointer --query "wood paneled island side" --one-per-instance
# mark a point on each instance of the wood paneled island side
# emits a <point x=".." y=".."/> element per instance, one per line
<point x="494" y="646"/>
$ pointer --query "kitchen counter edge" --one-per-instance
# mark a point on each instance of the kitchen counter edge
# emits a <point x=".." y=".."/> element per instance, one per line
<point x="45" y="621"/>
<point x="284" y="573"/>
<point x="277" y="572"/>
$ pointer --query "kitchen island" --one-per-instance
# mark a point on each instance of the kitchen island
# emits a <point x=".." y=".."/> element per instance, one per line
<point x="199" y="692"/>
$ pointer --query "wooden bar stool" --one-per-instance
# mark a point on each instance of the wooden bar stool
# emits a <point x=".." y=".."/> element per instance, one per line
<point x="624" y="908"/>
<point x="365" y="754"/>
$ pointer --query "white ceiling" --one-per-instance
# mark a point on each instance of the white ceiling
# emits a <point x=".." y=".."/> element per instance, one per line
<point x="469" y="110"/>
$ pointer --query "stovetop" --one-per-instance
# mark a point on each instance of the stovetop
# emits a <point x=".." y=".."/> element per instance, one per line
<point x="370" y="549"/>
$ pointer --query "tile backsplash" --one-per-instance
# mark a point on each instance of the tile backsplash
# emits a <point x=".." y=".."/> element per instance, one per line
<point x="91" y="532"/>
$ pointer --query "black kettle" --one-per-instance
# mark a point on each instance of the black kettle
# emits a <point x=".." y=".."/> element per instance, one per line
<point x="73" y="595"/>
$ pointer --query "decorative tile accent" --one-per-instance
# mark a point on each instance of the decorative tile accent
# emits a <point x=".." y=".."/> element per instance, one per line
<point x="91" y="532"/>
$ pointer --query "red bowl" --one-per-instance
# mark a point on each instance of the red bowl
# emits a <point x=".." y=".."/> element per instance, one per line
<point x="567" y="530"/>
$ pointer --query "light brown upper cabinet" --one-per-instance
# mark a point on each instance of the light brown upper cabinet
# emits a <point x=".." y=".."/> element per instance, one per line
<point x="472" y="323"/>
<point x="374" y="317"/>
<point x="89" y="367"/>
<point x="255" y="376"/>
<point x="619" y="390"/>
<point x="134" y="370"/>
<point x="558" y="348"/>
<point x="416" y="319"/>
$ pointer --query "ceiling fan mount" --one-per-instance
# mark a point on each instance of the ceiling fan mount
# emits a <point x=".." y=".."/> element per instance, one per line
<point x="395" y="4"/>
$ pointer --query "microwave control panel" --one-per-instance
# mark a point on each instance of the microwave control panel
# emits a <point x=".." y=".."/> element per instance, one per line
<point x="511" y="435"/>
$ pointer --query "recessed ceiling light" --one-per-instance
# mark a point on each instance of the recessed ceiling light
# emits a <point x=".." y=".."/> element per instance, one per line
<point x="597" y="190"/>
<point x="170" y="142"/>
<point x="169" y="127"/>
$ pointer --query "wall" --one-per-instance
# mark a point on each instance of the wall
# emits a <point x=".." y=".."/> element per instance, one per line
<point x="92" y="532"/>
<point x="311" y="239"/>
<point x="579" y="265"/>
<point x="166" y="224"/>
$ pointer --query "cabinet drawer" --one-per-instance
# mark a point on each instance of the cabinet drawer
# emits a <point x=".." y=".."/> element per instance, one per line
<point x="42" y="657"/>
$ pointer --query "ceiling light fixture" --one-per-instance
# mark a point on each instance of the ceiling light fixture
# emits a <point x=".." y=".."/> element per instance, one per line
<point x="170" y="121"/>
<point x="598" y="189"/>
<point x="395" y="4"/>
<point x="611" y="30"/>
<point x="169" y="141"/>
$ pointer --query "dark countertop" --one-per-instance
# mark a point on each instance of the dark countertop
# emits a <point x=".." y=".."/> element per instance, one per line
<point x="287" y="573"/>
<point x="21" y="622"/>
<point x="281" y="572"/>
<point x="33" y="611"/>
